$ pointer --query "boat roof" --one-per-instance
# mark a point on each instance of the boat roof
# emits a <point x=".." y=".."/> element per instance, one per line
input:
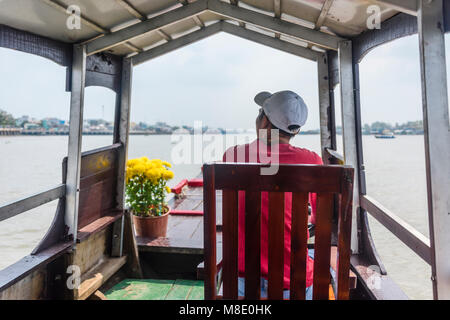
<point x="48" y="18"/>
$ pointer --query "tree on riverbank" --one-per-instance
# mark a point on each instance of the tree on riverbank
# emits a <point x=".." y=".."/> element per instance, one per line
<point x="410" y="127"/>
<point x="6" y="119"/>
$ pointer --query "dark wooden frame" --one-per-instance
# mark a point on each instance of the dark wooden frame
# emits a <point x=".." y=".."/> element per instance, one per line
<point x="300" y="180"/>
<point x="102" y="69"/>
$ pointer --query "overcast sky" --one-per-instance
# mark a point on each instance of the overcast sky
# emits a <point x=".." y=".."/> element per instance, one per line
<point x="215" y="81"/>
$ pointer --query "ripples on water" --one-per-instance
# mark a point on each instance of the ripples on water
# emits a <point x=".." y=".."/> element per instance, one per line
<point x="395" y="174"/>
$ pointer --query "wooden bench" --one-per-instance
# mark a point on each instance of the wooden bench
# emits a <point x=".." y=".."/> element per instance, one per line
<point x="96" y="214"/>
<point x="29" y="277"/>
<point x="98" y="183"/>
<point x="326" y="181"/>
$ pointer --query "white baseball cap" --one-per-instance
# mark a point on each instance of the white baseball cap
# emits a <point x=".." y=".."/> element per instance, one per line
<point x="285" y="109"/>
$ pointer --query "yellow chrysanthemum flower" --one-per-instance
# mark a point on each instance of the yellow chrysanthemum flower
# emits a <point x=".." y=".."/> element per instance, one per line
<point x="152" y="174"/>
<point x="144" y="160"/>
<point x="131" y="163"/>
<point x="157" y="162"/>
<point x="167" y="175"/>
<point x="139" y="168"/>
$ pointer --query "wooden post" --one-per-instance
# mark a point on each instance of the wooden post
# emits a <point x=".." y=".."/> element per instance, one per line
<point x="324" y="106"/>
<point x="209" y="231"/>
<point x="437" y="140"/>
<point x="349" y="127"/>
<point x="121" y="133"/>
<point x="75" y="136"/>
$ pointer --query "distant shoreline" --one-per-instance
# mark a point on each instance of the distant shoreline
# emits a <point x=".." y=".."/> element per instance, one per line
<point x="110" y="134"/>
<point x="40" y="133"/>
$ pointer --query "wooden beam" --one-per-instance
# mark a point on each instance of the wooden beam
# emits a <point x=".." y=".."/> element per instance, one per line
<point x="17" y="207"/>
<point x="141" y="17"/>
<point x="277" y="11"/>
<point x="30" y="263"/>
<point x="275" y="25"/>
<point x="83" y="18"/>
<point x="132" y="47"/>
<point x="164" y="35"/>
<point x="121" y="135"/>
<point x="406" y="6"/>
<point x="136" y="30"/>
<point x="323" y="14"/>
<point x="324" y="106"/>
<point x="349" y="126"/>
<point x="75" y="138"/>
<point x="97" y="276"/>
<point x="277" y="8"/>
<point x="231" y="29"/>
<point x="399" y="228"/>
<point x="122" y="128"/>
<point x="131" y="9"/>
<point x="271" y="42"/>
<point x="133" y="266"/>
<point x="437" y="140"/>
<point x="176" y="44"/>
<point x="93" y="25"/>
<point x="209" y="231"/>
<point x="198" y="21"/>
<point x="98" y="295"/>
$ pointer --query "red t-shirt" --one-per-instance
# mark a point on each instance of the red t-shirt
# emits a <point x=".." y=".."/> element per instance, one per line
<point x="287" y="154"/>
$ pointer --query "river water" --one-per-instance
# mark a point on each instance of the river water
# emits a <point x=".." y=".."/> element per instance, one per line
<point x="395" y="174"/>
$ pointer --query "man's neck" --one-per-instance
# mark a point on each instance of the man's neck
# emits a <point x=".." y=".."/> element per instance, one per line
<point x="284" y="140"/>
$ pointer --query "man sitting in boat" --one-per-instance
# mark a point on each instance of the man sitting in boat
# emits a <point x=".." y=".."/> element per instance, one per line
<point x="280" y="117"/>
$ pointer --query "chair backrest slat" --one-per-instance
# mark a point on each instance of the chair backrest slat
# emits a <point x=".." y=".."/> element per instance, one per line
<point x="327" y="182"/>
<point x="322" y="246"/>
<point x="299" y="246"/>
<point x="252" y="245"/>
<point x="344" y="239"/>
<point x="209" y="232"/>
<point x="276" y="246"/>
<point x="230" y="243"/>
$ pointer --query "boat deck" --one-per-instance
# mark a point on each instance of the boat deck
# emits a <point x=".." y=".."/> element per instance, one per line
<point x="184" y="232"/>
<point x="179" y="254"/>
<point x="156" y="289"/>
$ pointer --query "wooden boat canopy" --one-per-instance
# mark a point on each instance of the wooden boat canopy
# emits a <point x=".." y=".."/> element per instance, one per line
<point x="151" y="23"/>
<point x="132" y="28"/>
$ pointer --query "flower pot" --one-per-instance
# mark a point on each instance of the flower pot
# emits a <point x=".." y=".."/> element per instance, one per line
<point x="151" y="227"/>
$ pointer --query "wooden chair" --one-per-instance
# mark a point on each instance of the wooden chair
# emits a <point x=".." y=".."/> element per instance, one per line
<point x="300" y="180"/>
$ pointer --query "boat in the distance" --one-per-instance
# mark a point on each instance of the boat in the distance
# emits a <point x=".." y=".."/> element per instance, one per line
<point x="386" y="134"/>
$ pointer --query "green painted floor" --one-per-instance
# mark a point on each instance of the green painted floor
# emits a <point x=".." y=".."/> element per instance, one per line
<point x="153" y="289"/>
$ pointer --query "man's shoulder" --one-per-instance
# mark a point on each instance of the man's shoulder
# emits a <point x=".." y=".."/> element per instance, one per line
<point x="230" y="154"/>
<point x="306" y="154"/>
